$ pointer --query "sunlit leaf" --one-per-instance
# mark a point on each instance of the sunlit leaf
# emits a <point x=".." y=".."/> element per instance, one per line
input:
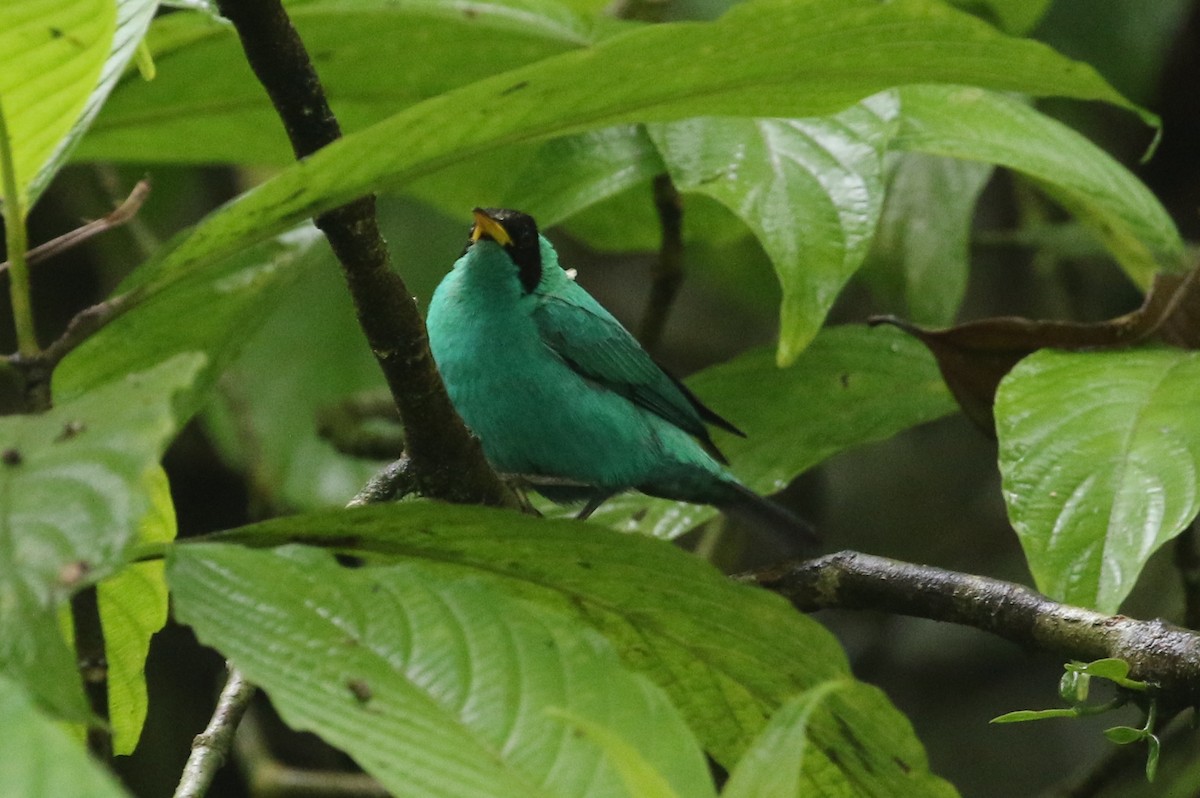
<point x="810" y="189"/>
<point x="53" y="53"/>
<point x="133" y="18"/>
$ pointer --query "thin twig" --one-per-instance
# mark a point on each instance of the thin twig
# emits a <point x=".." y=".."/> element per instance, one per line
<point x="447" y="460"/>
<point x="1156" y="651"/>
<point x="92" y="662"/>
<point x="668" y="273"/>
<point x="122" y="214"/>
<point x="211" y="747"/>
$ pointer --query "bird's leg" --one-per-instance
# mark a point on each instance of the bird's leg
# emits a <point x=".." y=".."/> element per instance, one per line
<point x="592" y="505"/>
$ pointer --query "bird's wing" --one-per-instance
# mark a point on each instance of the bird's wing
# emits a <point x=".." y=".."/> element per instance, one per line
<point x="595" y="345"/>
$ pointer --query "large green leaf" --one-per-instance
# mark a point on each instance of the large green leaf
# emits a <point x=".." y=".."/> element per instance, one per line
<point x="133" y="18"/>
<point x="810" y="189"/>
<point x="727" y="654"/>
<point x="985" y="126"/>
<point x="550" y="180"/>
<point x="213" y="311"/>
<point x="374" y="58"/>
<point x="851" y="386"/>
<point x="1100" y="459"/>
<point x="437" y="687"/>
<point x="73" y="493"/>
<point x="761" y="59"/>
<point x="53" y="54"/>
<point x="40" y="759"/>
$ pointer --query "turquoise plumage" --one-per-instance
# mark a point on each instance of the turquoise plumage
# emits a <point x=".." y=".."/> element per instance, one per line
<point x="559" y="393"/>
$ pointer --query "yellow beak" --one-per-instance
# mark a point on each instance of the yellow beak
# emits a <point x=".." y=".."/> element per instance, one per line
<point x="487" y="226"/>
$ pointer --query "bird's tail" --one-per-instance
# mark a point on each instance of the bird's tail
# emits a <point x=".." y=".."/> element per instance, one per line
<point x="744" y="504"/>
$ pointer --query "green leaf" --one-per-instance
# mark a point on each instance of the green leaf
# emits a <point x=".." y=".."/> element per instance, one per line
<point x="567" y="175"/>
<point x="133" y="18"/>
<point x="73" y="494"/>
<point x="728" y="655"/>
<point x="1022" y="715"/>
<point x="133" y="607"/>
<point x="852" y="386"/>
<point x="1099" y="455"/>
<point x="40" y="758"/>
<point x="1115" y="670"/>
<point x="637" y="775"/>
<point x="628" y="222"/>
<point x="1124" y="735"/>
<point x="1074" y="685"/>
<point x="761" y="59"/>
<point x="1014" y="16"/>
<point x="436" y="686"/>
<point x="810" y="189"/>
<point x="1111" y="668"/>
<point x="1153" y="749"/>
<point x="551" y="180"/>
<point x="772" y="766"/>
<point x="919" y="257"/>
<point x="213" y="311"/>
<point x="985" y="126"/>
<point x="53" y="51"/>
<point x="429" y="47"/>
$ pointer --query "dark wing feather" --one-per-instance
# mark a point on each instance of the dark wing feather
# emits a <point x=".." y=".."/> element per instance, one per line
<point x="595" y="345"/>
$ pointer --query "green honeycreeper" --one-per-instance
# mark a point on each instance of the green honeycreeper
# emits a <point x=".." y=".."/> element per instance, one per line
<point x="560" y="394"/>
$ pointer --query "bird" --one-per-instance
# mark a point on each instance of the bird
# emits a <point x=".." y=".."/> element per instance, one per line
<point x="561" y="396"/>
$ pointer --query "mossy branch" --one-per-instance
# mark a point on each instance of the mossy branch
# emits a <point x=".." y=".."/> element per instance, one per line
<point x="1158" y="652"/>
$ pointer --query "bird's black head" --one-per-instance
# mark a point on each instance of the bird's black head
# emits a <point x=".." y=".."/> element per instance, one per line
<point x="517" y="232"/>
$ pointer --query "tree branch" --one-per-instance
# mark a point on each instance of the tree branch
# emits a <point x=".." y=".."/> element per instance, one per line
<point x="211" y="746"/>
<point x="120" y="215"/>
<point x="1156" y="651"/>
<point x="448" y="462"/>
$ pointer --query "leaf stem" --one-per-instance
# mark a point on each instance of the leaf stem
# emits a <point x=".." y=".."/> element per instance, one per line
<point x="15" y="236"/>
